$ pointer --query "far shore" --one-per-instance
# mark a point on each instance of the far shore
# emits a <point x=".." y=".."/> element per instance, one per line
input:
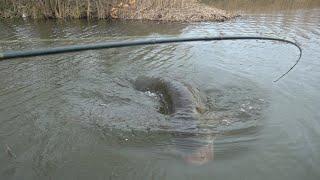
<point x="157" y="10"/>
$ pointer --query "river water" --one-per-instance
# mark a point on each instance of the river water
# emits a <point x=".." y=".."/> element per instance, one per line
<point x="78" y="115"/>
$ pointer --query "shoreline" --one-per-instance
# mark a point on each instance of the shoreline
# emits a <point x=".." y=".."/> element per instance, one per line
<point x="158" y="10"/>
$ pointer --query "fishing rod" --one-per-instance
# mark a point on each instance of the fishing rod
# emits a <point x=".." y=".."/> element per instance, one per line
<point x="139" y="42"/>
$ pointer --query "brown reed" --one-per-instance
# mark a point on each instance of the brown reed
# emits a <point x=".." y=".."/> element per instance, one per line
<point x="175" y="10"/>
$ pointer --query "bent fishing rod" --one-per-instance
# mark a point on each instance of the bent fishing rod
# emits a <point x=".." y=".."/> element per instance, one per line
<point x="140" y="42"/>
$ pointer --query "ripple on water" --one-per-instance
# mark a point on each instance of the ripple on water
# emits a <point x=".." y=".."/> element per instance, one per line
<point x="81" y="109"/>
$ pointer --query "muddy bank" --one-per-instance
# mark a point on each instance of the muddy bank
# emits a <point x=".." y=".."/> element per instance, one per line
<point x="158" y="10"/>
<point x="187" y="11"/>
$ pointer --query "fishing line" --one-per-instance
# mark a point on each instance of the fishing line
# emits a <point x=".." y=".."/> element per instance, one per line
<point x="139" y="42"/>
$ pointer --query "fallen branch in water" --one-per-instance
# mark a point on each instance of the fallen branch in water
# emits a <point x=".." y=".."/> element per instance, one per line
<point x="10" y="152"/>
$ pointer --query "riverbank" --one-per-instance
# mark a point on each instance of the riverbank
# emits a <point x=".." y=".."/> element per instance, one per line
<point x="157" y="10"/>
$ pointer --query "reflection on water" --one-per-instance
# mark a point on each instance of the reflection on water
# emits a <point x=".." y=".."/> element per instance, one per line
<point x="78" y="115"/>
<point x="261" y="6"/>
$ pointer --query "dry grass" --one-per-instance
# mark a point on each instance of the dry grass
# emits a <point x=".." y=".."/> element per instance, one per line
<point x="172" y="10"/>
<point x="162" y="10"/>
<point x="50" y="8"/>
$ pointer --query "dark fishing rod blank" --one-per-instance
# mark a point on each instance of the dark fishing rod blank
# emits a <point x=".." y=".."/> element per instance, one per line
<point x="139" y="42"/>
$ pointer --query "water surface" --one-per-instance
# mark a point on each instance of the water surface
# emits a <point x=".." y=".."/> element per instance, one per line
<point x="78" y="115"/>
